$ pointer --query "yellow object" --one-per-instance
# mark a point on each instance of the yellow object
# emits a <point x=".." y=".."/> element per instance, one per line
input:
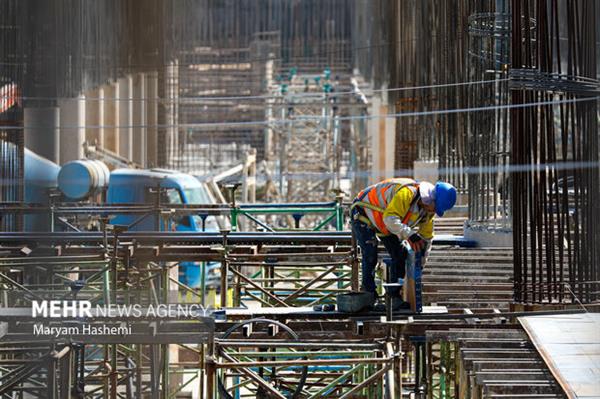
<point x="399" y="207"/>
<point x="393" y="197"/>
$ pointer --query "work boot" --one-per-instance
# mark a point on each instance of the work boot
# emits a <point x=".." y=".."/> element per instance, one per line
<point x="379" y="307"/>
<point x="372" y="300"/>
<point x="399" y="304"/>
<point x="376" y="305"/>
<point x="355" y="302"/>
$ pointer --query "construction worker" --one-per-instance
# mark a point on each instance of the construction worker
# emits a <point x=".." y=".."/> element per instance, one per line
<point x="397" y="210"/>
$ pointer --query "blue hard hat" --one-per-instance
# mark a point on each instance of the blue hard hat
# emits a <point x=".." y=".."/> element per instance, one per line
<point x="445" y="197"/>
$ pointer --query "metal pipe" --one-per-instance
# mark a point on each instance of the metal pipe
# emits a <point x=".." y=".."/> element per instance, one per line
<point x="301" y="362"/>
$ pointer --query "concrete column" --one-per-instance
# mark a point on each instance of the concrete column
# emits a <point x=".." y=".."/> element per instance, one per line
<point x="269" y="148"/>
<point x="100" y="127"/>
<point x="72" y="128"/>
<point x="139" y="119"/>
<point x="94" y="116"/>
<point x="390" y="141"/>
<point x="111" y="117"/>
<point x="171" y="108"/>
<point x="373" y="128"/>
<point x="41" y="128"/>
<point x="152" y="118"/>
<point x="126" y="117"/>
<point x="383" y="141"/>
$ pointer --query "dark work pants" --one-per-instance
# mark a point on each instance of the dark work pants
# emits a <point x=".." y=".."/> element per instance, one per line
<point x="367" y="241"/>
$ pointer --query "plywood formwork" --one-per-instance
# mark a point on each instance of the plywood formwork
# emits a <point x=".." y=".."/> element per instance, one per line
<point x="570" y="346"/>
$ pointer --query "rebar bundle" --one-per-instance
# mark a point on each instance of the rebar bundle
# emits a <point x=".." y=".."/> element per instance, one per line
<point x="431" y="47"/>
<point x="54" y="50"/>
<point x="68" y="46"/>
<point x="451" y="58"/>
<point x="11" y="140"/>
<point x="488" y="136"/>
<point x="11" y="171"/>
<point x="554" y="199"/>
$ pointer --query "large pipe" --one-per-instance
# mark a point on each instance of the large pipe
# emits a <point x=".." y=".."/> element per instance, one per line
<point x="80" y="179"/>
<point x="41" y="126"/>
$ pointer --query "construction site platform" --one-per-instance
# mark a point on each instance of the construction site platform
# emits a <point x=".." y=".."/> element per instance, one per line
<point x="570" y="346"/>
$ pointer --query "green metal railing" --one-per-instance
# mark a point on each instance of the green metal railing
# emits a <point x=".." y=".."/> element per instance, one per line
<point x="333" y="212"/>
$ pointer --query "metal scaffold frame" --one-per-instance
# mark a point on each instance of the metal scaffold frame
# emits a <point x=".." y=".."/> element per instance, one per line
<point x="117" y="272"/>
<point x="122" y="267"/>
<point x="304" y="369"/>
<point x="116" y="264"/>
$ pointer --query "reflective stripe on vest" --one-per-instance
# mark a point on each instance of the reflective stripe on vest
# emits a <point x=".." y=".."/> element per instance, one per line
<point x="376" y="198"/>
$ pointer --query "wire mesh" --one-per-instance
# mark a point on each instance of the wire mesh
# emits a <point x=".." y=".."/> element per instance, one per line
<point x="252" y="48"/>
<point x="488" y="137"/>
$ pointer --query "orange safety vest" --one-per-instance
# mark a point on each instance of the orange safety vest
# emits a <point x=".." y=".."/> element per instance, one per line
<point x="374" y="199"/>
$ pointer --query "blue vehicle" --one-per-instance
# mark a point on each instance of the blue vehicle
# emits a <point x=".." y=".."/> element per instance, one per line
<point x="133" y="186"/>
<point x="84" y="179"/>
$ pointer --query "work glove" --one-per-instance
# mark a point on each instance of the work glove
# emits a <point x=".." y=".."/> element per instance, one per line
<point x="416" y="242"/>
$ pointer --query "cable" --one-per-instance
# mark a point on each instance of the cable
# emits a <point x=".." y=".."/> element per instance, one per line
<point x="568" y="286"/>
<point x="467" y="170"/>
<point x="266" y="97"/>
<point x="474" y="109"/>
<point x="316" y="118"/>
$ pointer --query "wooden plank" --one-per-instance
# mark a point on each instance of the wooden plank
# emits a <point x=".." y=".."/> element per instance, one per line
<point x="570" y="346"/>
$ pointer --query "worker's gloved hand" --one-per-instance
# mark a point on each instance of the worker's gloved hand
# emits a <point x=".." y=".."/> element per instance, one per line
<point x="416" y="242"/>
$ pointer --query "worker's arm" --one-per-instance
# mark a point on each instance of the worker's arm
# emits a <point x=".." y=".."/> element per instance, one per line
<point x="395" y="211"/>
